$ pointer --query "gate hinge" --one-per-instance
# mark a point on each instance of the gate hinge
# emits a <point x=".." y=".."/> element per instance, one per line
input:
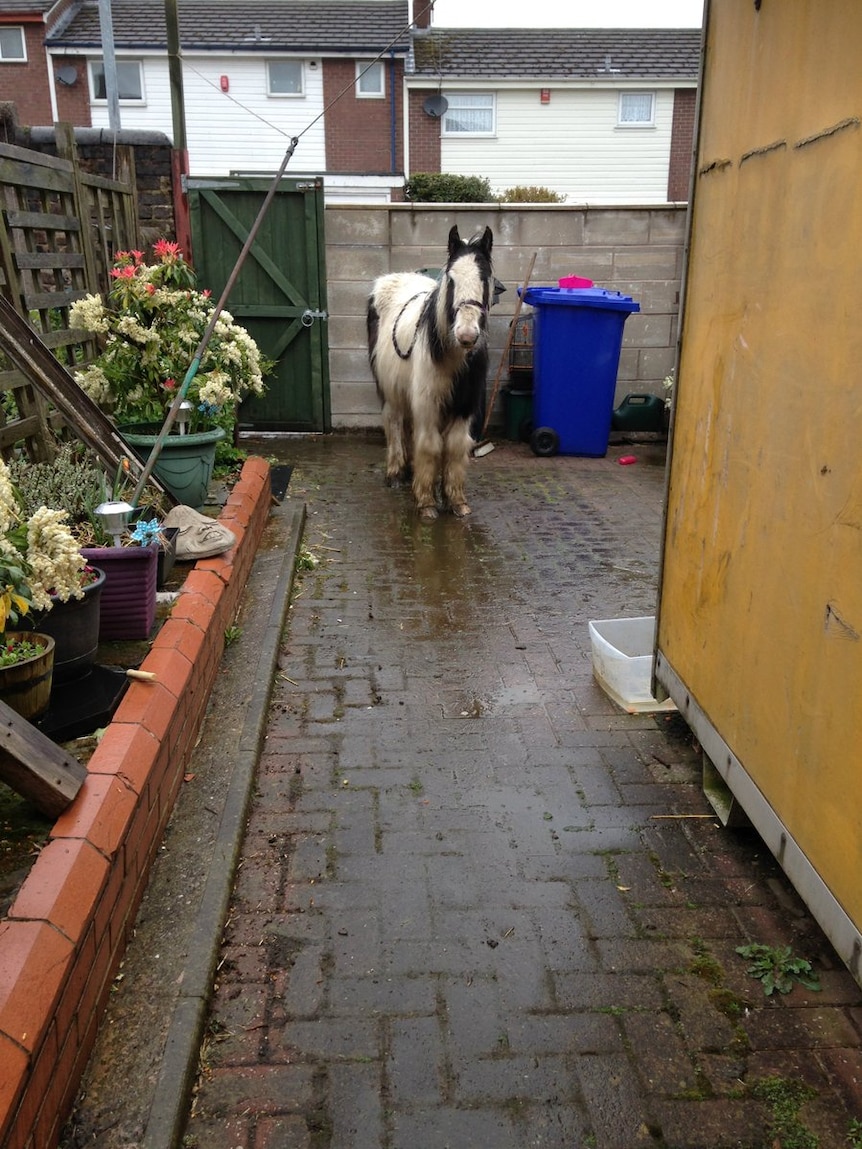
<point x="308" y="316"/>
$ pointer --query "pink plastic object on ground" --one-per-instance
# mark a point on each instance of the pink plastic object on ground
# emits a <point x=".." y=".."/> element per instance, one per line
<point x="575" y="281"/>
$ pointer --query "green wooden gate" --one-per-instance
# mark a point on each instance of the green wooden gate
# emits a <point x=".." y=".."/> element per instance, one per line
<point x="280" y="292"/>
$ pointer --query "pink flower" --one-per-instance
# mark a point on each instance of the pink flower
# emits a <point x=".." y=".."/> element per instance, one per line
<point x="166" y="250"/>
<point x="127" y="272"/>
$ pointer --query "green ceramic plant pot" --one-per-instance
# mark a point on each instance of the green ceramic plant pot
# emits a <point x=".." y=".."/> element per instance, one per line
<point x="185" y="462"/>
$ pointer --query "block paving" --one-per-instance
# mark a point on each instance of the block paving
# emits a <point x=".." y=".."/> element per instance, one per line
<point x="478" y="905"/>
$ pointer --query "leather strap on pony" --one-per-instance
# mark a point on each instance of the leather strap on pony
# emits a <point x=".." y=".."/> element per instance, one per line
<point x="406" y="354"/>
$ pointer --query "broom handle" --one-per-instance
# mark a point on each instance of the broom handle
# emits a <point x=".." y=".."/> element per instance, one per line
<point x="508" y="345"/>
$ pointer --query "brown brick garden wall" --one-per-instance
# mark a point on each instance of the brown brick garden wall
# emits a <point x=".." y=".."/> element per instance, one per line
<point x="152" y="167"/>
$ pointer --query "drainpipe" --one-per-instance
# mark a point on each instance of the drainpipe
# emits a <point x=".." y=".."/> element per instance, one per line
<point x="52" y="87"/>
<point x="393" y="135"/>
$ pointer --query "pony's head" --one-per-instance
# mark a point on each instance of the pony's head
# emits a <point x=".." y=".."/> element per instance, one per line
<point x="467" y="277"/>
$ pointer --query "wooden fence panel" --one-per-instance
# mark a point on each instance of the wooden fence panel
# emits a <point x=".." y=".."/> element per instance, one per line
<point x="60" y="229"/>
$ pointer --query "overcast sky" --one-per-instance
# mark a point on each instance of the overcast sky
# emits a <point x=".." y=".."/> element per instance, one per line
<point x="568" y="13"/>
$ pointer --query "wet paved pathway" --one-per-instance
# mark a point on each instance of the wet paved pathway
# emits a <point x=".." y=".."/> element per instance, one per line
<point x="469" y="913"/>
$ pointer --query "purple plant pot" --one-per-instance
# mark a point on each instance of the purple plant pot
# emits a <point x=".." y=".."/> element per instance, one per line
<point x="128" y="604"/>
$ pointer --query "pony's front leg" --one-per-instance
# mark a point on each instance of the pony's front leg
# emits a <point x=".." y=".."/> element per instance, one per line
<point x="397" y="464"/>
<point x="456" y="455"/>
<point x="427" y="453"/>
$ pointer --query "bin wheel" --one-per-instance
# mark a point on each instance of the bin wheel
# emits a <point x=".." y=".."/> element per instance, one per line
<point x="545" y="442"/>
<point x="525" y="430"/>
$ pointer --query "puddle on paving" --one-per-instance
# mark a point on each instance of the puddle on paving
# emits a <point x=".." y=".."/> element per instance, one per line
<point x="505" y="699"/>
<point x="452" y="565"/>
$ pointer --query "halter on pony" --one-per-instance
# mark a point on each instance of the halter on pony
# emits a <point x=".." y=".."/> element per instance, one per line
<point x="481" y="306"/>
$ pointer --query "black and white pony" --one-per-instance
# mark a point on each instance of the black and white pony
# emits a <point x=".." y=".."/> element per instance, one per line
<point x="428" y="350"/>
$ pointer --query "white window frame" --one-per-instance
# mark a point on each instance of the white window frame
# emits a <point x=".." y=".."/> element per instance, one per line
<point x="300" y="64"/>
<point x="122" y="64"/>
<point x="453" y="99"/>
<point x="627" y="123"/>
<point x="365" y="70"/>
<point x="22" y="59"/>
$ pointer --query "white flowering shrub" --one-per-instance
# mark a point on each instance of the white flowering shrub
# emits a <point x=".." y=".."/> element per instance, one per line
<point x="39" y="556"/>
<point x="149" y="331"/>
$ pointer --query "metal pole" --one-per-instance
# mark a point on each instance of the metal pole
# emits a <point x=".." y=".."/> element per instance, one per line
<point x="207" y="335"/>
<point x="175" y="75"/>
<point x="109" y="62"/>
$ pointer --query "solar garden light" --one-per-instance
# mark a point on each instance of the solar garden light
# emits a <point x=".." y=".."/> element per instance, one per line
<point x="184" y="414"/>
<point x="114" y="517"/>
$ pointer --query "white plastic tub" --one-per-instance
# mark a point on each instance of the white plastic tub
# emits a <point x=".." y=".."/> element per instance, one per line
<point x="622" y="662"/>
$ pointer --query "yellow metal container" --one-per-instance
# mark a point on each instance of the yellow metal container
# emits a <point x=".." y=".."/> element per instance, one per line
<point x="759" y="637"/>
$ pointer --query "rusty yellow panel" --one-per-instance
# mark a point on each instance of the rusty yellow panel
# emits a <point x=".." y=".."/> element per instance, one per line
<point x="760" y="609"/>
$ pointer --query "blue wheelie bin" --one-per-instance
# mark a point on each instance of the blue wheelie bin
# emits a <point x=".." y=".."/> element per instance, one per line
<point x="578" y="334"/>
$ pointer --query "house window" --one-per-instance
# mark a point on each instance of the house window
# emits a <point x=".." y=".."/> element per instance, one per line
<point x="130" y="81"/>
<point x="469" y="114"/>
<point x="370" y="80"/>
<point x="284" y="78"/>
<point x="12" y="44"/>
<point x="637" y="109"/>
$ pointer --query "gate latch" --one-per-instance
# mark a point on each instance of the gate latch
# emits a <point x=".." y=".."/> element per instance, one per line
<point x="308" y="316"/>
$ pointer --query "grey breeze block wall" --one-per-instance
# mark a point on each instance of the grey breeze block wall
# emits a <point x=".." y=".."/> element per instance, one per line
<point x="635" y="250"/>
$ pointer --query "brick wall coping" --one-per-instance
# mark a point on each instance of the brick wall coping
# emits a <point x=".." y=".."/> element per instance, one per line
<point x="91" y="136"/>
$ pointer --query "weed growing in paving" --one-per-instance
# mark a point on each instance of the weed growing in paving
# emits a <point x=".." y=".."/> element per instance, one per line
<point x="784" y="1100"/>
<point x="777" y="968"/>
<point x="305" y="560"/>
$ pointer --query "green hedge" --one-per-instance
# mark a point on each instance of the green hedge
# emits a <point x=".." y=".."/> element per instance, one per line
<point x="439" y="187"/>
<point x="442" y="187"/>
<point x="530" y="194"/>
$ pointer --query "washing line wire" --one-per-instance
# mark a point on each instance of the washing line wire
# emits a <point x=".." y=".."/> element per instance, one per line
<point x="335" y="99"/>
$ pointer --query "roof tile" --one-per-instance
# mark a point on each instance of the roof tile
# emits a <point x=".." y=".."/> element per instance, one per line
<point x="558" y="54"/>
<point x="342" y="26"/>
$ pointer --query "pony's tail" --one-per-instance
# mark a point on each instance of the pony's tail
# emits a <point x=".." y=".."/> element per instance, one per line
<point x="372" y="320"/>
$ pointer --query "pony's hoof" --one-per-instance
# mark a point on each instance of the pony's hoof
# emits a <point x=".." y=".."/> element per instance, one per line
<point x="427" y="514"/>
<point x="461" y="510"/>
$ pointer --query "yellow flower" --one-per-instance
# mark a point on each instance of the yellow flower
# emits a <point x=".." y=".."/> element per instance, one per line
<point x="9" y="600"/>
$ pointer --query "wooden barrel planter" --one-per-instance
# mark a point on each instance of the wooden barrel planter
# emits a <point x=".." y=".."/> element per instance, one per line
<point x="25" y="686"/>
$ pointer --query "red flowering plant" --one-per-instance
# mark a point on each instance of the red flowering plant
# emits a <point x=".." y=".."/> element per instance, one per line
<point x="150" y="329"/>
